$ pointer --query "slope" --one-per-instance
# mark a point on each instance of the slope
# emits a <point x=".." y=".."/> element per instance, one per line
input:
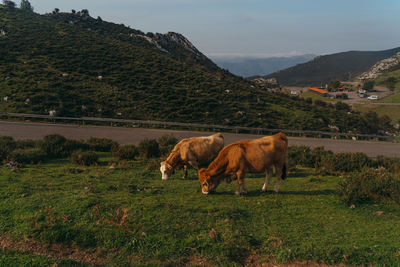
<point x="80" y="66"/>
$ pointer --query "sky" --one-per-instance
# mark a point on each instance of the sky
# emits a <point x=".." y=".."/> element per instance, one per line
<point x="256" y="28"/>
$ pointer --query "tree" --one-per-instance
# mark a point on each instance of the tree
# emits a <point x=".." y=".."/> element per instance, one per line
<point x="26" y="6"/>
<point x="391" y="83"/>
<point x="9" y="4"/>
<point x="56" y="10"/>
<point x="369" y="85"/>
<point x="332" y="86"/>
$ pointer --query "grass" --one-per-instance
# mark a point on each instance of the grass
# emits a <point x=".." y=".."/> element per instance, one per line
<point x="394" y="98"/>
<point x="392" y="111"/>
<point x="129" y="216"/>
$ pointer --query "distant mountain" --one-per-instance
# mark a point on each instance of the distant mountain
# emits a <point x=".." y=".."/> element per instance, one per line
<point x="340" y="66"/>
<point x="246" y="67"/>
<point x="82" y="66"/>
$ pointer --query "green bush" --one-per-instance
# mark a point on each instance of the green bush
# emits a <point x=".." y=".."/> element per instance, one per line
<point x="29" y="155"/>
<point x="299" y="155"/>
<point x="86" y="158"/>
<point x="391" y="164"/>
<point x="27" y="143"/>
<point x="346" y="162"/>
<point x="72" y="145"/>
<point x="370" y="184"/>
<point x="166" y="143"/>
<point x="7" y="145"/>
<point x="126" y="152"/>
<point x="101" y="144"/>
<point x="148" y="148"/>
<point x="54" y="145"/>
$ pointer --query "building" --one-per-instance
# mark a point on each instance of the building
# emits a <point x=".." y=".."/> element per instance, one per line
<point x="319" y="91"/>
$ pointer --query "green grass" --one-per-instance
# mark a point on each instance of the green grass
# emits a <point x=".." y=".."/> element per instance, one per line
<point x="129" y="215"/>
<point x="395" y="98"/>
<point x="392" y="111"/>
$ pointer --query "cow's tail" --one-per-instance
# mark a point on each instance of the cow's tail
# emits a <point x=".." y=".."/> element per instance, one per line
<point x="284" y="175"/>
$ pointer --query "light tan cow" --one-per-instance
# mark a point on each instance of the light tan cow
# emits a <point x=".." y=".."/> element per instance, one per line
<point x="193" y="151"/>
<point x="247" y="156"/>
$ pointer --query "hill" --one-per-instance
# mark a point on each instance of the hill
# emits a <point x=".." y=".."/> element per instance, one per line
<point x="81" y="66"/>
<point x="247" y="67"/>
<point x="323" y="69"/>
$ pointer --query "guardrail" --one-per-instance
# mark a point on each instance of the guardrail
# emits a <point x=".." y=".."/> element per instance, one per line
<point x="165" y="124"/>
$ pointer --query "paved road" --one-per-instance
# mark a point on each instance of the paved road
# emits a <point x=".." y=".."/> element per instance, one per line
<point x="20" y="130"/>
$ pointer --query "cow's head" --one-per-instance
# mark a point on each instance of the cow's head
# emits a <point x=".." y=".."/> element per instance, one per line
<point x="166" y="170"/>
<point x="206" y="182"/>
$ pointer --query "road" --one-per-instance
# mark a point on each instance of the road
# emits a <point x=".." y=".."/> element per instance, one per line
<point x="21" y="130"/>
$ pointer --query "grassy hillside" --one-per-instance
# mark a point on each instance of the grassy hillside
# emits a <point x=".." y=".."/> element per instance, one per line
<point x="340" y="66"/>
<point x="128" y="215"/>
<point x="82" y="66"/>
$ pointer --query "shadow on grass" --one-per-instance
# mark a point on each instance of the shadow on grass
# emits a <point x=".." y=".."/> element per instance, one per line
<point x="271" y="192"/>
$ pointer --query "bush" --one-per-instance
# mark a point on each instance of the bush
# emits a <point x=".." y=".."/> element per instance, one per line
<point x="86" y="158"/>
<point x="148" y="148"/>
<point x="7" y="145"/>
<point x="54" y="145"/>
<point x="166" y="143"/>
<point x="370" y="184"/>
<point x="72" y="145"/>
<point x="346" y="162"/>
<point x="27" y="143"/>
<point x="391" y="164"/>
<point x="126" y="152"/>
<point x="101" y="144"/>
<point x="299" y="155"/>
<point x="29" y="155"/>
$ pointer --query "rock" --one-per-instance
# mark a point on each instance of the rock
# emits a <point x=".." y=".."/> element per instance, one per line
<point x="380" y="67"/>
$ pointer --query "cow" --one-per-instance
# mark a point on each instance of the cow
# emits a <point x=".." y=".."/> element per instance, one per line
<point x="193" y="151"/>
<point x="247" y="156"/>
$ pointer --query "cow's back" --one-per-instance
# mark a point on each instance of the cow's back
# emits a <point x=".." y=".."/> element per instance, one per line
<point x="202" y="149"/>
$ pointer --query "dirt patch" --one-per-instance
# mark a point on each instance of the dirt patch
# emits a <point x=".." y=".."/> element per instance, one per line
<point x="55" y="251"/>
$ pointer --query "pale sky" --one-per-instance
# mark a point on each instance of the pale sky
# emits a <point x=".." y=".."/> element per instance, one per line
<point x="255" y="27"/>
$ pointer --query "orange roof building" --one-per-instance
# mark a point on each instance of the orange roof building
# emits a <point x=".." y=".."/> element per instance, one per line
<point x="319" y="91"/>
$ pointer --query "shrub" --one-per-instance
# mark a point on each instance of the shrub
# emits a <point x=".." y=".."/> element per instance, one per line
<point x="166" y="143"/>
<point x="126" y="152"/>
<point x="346" y="162"/>
<point x="27" y="143"/>
<point x="7" y="145"/>
<point x="29" y="155"/>
<point x="72" y="145"/>
<point x="101" y="144"/>
<point x="54" y="145"/>
<point x="148" y="148"/>
<point x="370" y="184"/>
<point x="299" y="155"/>
<point x="391" y="164"/>
<point x="86" y="158"/>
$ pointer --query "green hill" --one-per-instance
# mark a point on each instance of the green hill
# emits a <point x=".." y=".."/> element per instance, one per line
<point x="81" y="66"/>
<point x="323" y="69"/>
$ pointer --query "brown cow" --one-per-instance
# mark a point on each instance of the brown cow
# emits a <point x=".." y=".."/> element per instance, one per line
<point x="193" y="151"/>
<point x="247" y="156"/>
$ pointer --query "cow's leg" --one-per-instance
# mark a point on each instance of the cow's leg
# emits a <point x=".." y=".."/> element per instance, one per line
<point x="240" y="179"/>
<point x="194" y="164"/>
<point x="278" y="177"/>
<point x="267" y="177"/>
<point x="185" y="171"/>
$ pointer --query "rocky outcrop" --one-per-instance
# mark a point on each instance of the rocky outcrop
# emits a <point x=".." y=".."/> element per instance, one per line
<point x="380" y="67"/>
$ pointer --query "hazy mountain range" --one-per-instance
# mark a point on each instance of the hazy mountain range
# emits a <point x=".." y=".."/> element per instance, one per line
<point x="250" y="66"/>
